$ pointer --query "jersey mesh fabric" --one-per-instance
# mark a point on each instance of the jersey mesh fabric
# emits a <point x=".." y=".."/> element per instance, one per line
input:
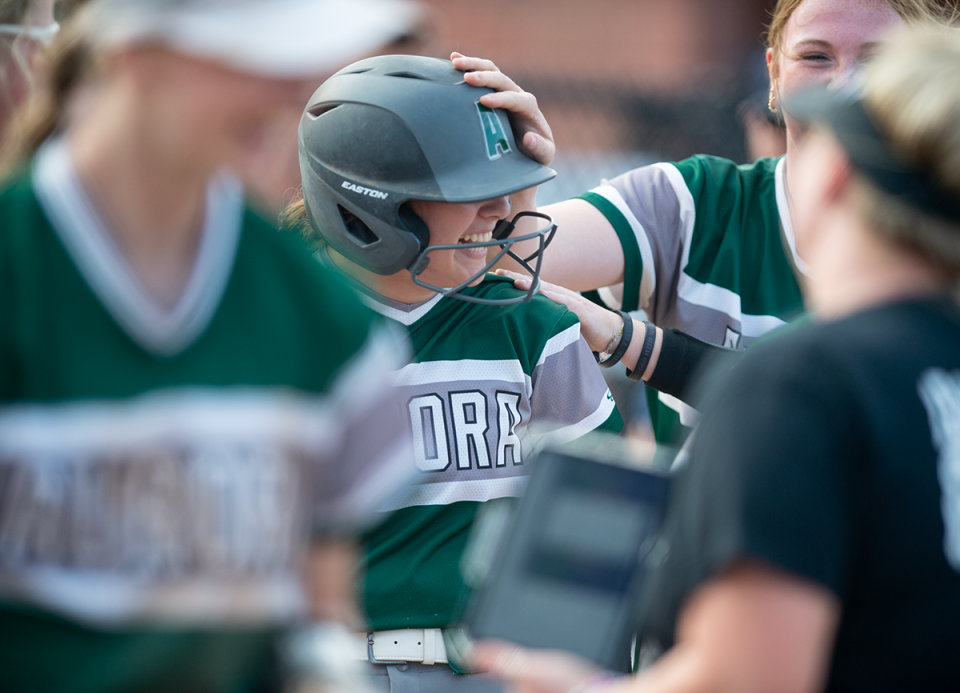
<point x="499" y="376"/>
<point x="708" y="250"/>
<point x="107" y="615"/>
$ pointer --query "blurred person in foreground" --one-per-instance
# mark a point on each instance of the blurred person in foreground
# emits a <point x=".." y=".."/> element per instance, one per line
<point x="407" y="179"/>
<point x="702" y="245"/>
<point x="25" y="25"/>
<point x="192" y="411"/>
<point x="272" y="178"/>
<point x="814" y="538"/>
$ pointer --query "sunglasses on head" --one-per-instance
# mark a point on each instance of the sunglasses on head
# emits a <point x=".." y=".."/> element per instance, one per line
<point x="40" y="34"/>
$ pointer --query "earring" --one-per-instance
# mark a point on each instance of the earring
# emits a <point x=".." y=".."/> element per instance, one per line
<point x="770" y="105"/>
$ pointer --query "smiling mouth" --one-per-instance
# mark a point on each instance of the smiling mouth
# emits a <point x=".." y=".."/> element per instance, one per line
<point x="477" y="238"/>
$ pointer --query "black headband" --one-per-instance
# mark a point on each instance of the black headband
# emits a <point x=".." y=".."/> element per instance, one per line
<point x="872" y="153"/>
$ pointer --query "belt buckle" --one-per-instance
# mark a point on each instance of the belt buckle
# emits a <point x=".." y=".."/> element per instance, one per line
<point x="372" y="658"/>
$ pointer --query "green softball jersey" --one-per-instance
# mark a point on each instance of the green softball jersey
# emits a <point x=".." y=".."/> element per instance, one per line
<point x="486" y="386"/>
<point x="162" y="471"/>
<point x="709" y="249"/>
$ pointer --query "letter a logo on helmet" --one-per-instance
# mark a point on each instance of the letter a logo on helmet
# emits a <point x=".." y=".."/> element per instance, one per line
<point x="493" y="133"/>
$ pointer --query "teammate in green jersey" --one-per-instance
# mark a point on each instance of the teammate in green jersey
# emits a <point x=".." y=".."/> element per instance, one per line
<point x="178" y="432"/>
<point x="407" y="178"/>
<point x="703" y="245"/>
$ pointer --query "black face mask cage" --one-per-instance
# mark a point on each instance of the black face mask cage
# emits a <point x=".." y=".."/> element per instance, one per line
<point x="502" y="239"/>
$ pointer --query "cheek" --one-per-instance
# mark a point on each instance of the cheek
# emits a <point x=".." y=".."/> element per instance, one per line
<point x="14" y="83"/>
<point x="447" y="223"/>
<point x="232" y="122"/>
<point x="796" y="77"/>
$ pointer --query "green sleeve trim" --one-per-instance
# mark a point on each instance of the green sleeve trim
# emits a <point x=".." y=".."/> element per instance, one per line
<point x="633" y="265"/>
<point x="666" y="424"/>
<point x="613" y="423"/>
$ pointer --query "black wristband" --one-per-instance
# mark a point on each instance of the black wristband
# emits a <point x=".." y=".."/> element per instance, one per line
<point x="624" y="341"/>
<point x="649" y="340"/>
<point x="683" y="363"/>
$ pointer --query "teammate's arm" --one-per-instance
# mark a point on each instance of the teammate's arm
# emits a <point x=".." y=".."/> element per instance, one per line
<point x="755" y="628"/>
<point x="677" y="362"/>
<point x="330" y="576"/>
<point x="586" y="252"/>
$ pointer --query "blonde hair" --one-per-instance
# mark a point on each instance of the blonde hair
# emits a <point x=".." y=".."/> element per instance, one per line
<point x="912" y="90"/>
<point x="910" y="10"/>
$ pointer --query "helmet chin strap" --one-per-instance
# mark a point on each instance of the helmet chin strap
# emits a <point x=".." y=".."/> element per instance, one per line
<point x="503" y="229"/>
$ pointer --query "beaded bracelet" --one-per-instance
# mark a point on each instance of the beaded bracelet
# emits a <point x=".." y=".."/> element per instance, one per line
<point x="627" y="334"/>
<point x="611" y="345"/>
<point x="649" y="340"/>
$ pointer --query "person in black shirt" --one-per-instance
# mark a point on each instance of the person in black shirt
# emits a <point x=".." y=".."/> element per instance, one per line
<point x="814" y="536"/>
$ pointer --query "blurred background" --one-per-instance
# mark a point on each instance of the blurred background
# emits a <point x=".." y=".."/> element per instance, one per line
<point x="623" y="82"/>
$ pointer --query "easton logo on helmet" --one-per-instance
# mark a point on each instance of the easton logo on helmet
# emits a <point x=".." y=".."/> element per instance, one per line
<point x="493" y="133"/>
<point x="360" y="190"/>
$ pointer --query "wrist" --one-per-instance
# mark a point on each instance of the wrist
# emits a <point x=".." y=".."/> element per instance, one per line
<point x="644" y="356"/>
<point x="597" y="681"/>
<point x="615" y="337"/>
<point x="619" y="343"/>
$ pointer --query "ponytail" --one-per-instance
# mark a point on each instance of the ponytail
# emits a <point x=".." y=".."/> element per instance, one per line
<point x="294" y="218"/>
<point x="912" y="89"/>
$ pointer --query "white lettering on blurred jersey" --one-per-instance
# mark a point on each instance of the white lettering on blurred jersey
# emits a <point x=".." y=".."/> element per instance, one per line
<point x="940" y="392"/>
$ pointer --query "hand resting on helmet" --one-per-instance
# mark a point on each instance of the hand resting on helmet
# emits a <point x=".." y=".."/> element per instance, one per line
<point x="529" y="124"/>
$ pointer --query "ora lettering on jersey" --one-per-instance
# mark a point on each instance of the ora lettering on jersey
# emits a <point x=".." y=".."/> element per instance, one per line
<point x="466" y="415"/>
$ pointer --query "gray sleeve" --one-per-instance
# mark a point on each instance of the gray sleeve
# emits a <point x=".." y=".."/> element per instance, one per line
<point x="570" y="397"/>
<point x="645" y="209"/>
<point x="369" y="461"/>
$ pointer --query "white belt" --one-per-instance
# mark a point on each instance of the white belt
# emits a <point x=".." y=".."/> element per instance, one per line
<point x="398" y="646"/>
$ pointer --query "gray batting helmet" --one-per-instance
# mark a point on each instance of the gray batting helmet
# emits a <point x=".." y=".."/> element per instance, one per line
<point x="391" y="129"/>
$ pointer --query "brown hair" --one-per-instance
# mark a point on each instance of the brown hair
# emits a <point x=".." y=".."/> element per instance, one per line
<point x="294" y="218"/>
<point x="912" y="88"/>
<point x="13" y="11"/>
<point x="909" y="10"/>
<point x="70" y="60"/>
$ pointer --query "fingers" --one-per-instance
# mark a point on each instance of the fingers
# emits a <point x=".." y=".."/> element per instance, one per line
<point x="597" y="324"/>
<point x="570" y="302"/>
<point x="497" y="656"/>
<point x="558" y="298"/>
<point x="542" y="150"/>
<point x="531" y="671"/>
<point x="530" y="125"/>
<point x="558" y="294"/>
<point x="535" y="138"/>
<point x="465" y="63"/>
<point x="521" y="281"/>
<point x="494" y="80"/>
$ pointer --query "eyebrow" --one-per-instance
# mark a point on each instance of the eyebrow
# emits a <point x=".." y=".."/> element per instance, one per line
<point x="820" y="43"/>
